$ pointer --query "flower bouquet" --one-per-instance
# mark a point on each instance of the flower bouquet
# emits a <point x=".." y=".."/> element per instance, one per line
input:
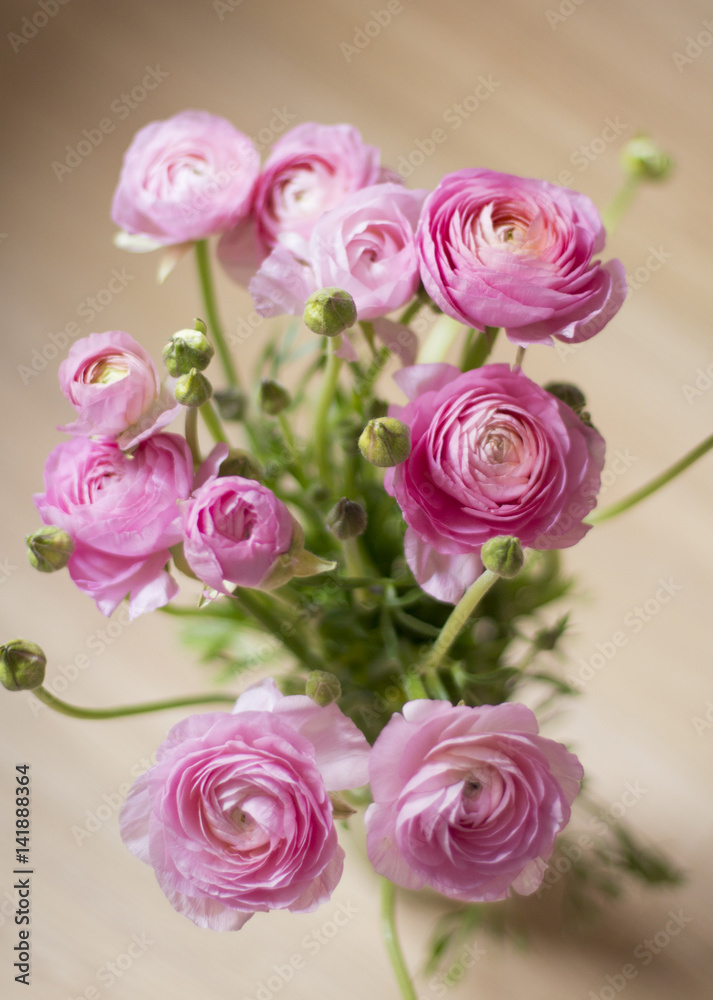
<point x="369" y="543"/>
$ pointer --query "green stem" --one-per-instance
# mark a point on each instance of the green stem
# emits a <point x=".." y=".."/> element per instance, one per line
<point x="211" y="308"/>
<point x="283" y="630"/>
<point x="410" y="311"/>
<point x="479" y="348"/>
<point x="459" y="618"/>
<point x="321" y="416"/>
<point x="114" y="713"/>
<point x="519" y="357"/>
<point x="391" y="940"/>
<point x="212" y="422"/>
<point x="612" y="214"/>
<point x="439" y="341"/>
<point x="192" y="433"/>
<point x="676" y="469"/>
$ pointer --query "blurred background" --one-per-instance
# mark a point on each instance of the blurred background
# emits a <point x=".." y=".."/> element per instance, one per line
<point x="549" y="89"/>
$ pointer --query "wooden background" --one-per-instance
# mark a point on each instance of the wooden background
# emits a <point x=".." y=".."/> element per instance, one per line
<point x="559" y="74"/>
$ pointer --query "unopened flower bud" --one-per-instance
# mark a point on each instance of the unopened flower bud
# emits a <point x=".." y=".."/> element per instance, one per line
<point x="188" y="349"/>
<point x="239" y="463"/>
<point x="347" y="519"/>
<point x="568" y="393"/>
<point x="330" y="311"/>
<point x="503" y="555"/>
<point x="642" y="158"/>
<point x="231" y="403"/>
<point x="22" y="665"/>
<point x="323" y="687"/>
<point x="49" y="548"/>
<point x="273" y="397"/>
<point x="193" y="389"/>
<point x="385" y="441"/>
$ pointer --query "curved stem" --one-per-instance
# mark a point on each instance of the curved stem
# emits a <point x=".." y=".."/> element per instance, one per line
<point x="459" y="618"/>
<point x="64" y="708"/>
<point x="665" y="477"/>
<point x="391" y="940"/>
<point x="329" y="385"/>
<point x="612" y="214"/>
<point x="212" y="422"/>
<point x="211" y="309"/>
<point x="410" y="311"/>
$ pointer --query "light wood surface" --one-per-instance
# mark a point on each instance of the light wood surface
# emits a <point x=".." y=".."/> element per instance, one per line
<point x="555" y="82"/>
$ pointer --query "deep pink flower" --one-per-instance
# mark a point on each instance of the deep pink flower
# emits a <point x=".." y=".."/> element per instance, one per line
<point x="185" y="179"/>
<point x="122" y="515"/>
<point x="492" y="454"/>
<point x="467" y="801"/>
<point x="113" y="385"/>
<point x="365" y="246"/>
<point x="235" y="530"/>
<point x="505" y="251"/>
<point x="310" y="170"/>
<point x="235" y="816"/>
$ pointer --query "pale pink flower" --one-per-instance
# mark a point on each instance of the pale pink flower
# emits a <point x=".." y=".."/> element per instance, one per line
<point x="235" y="816"/>
<point x="467" y="801"/>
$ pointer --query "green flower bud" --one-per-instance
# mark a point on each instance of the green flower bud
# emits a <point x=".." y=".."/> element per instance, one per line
<point x="330" y="311"/>
<point x="346" y="519"/>
<point x="642" y="158"/>
<point x="239" y="463"/>
<point x="273" y="397"/>
<point x="49" y="548"/>
<point x="323" y="687"/>
<point x="568" y="393"/>
<point x="22" y="665"/>
<point x="503" y="555"/>
<point x="385" y="441"/>
<point x="188" y="349"/>
<point x="193" y="389"/>
<point x="231" y="403"/>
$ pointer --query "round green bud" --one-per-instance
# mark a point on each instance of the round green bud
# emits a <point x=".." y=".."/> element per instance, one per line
<point x="330" y="311"/>
<point x="49" y="548"/>
<point x="568" y="393"/>
<point x="193" y="389"/>
<point x="642" y="158"/>
<point x="385" y="441"/>
<point x="323" y="687"/>
<point x="22" y="665"/>
<point x="503" y="555"/>
<point x="187" y="349"/>
<point x="347" y="519"/>
<point x="231" y="403"/>
<point x="273" y="397"/>
<point x="239" y="463"/>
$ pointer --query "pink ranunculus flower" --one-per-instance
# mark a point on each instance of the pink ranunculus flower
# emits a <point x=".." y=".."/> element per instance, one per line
<point x="235" y="816"/>
<point x="122" y="515"/>
<point x="504" y="251"/>
<point x="310" y="170"/>
<point x="365" y="246"/>
<point x="492" y="453"/>
<point x="114" y="386"/>
<point x="235" y="530"/>
<point x="467" y="801"/>
<point x="185" y="179"/>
